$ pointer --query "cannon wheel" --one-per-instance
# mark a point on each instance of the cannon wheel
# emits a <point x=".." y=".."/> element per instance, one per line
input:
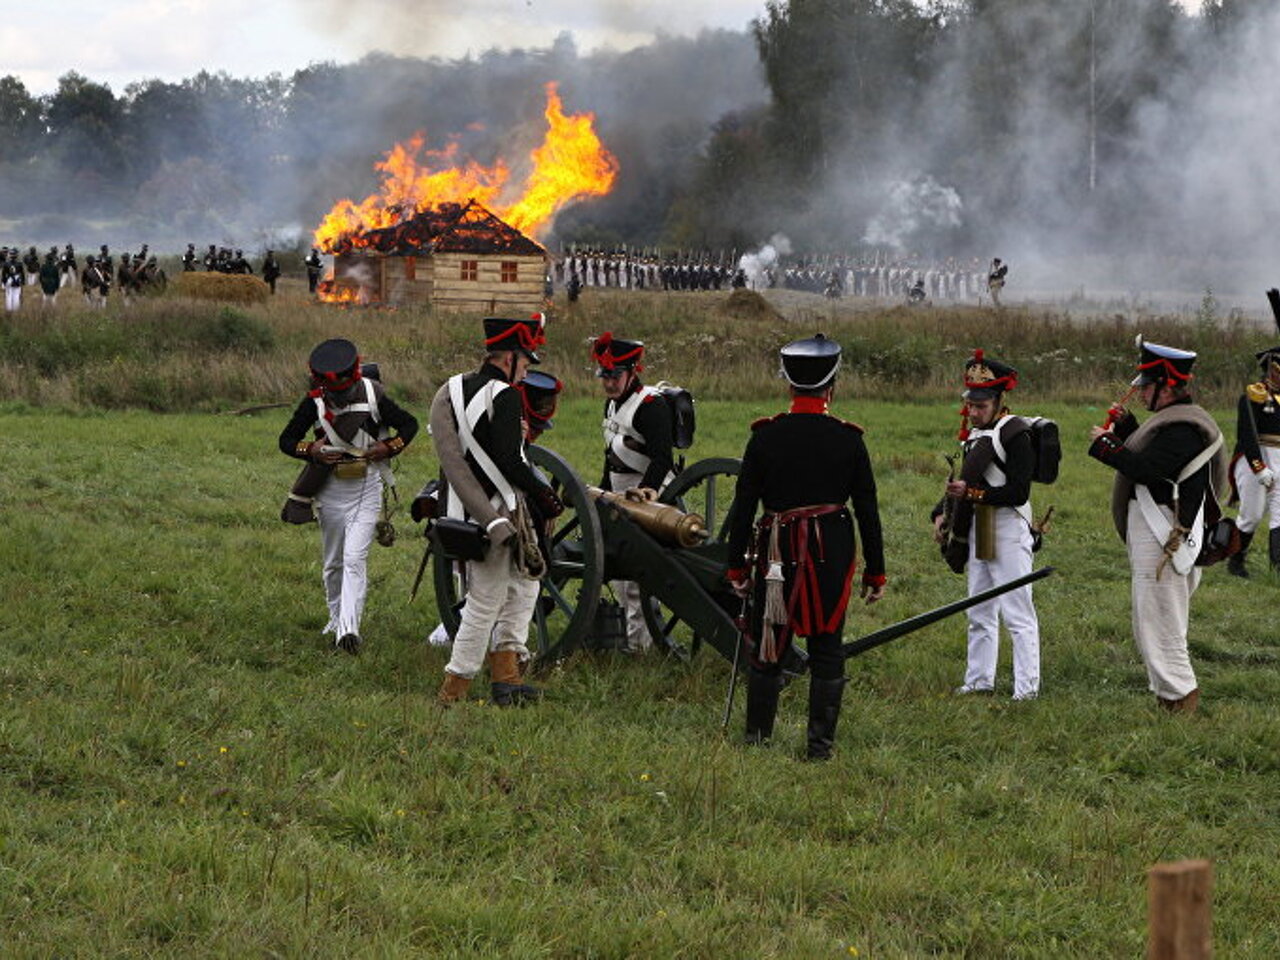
<point x="704" y="488"/>
<point x="569" y="592"/>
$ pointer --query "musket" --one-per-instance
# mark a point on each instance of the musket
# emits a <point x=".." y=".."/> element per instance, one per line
<point x="912" y="624"/>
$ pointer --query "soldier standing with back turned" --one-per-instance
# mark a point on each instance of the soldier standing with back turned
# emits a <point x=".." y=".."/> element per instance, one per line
<point x="804" y="467"/>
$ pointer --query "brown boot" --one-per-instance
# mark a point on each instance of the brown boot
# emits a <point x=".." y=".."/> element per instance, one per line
<point x="506" y="685"/>
<point x="1185" y="704"/>
<point x="453" y="689"/>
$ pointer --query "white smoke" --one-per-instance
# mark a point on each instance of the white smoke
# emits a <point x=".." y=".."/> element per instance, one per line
<point x="759" y="265"/>
<point x="360" y="276"/>
<point x="912" y="205"/>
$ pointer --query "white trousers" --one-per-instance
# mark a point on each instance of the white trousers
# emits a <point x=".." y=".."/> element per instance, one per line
<point x="1161" y="610"/>
<point x="1255" y="499"/>
<point x="12" y="298"/>
<point x="627" y="592"/>
<point x="500" y="602"/>
<point x="348" y="513"/>
<point x="1015" y="608"/>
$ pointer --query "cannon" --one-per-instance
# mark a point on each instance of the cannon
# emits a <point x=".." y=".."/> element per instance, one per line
<point x="685" y="600"/>
<point x="677" y="555"/>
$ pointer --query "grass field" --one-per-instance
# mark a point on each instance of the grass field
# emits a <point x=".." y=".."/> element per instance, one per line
<point x="187" y="770"/>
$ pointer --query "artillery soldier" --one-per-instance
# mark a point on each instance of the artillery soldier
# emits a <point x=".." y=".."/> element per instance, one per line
<point x="1256" y="462"/>
<point x="211" y="259"/>
<point x="314" y="267"/>
<point x="1167" y="472"/>
<point x="983" y="523"/>
<point x="637" y="449"/>
<point x="804" y="467"/>
<point x="477" y="424"/>
<point x="189" y="259"/>
<point x="347" y="468"/>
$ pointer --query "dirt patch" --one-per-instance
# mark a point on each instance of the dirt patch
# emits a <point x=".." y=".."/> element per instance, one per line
<point x="748" y="305"/>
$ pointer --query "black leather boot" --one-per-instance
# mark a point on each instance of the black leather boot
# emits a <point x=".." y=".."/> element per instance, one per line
<point x="824" y="713"/>
<point x="762" y="704"/>
<point x="1236" y="562"/>
<point x="1274" y="549"/>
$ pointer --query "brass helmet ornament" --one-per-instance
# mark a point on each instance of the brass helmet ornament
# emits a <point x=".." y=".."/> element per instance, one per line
<point x="985" y="378"/>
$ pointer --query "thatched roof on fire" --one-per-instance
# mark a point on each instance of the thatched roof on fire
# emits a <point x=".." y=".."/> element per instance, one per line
<point x="447" y="228"/>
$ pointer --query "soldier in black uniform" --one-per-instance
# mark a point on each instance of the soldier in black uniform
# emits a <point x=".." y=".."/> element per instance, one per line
<point x="32" y="264"/>
<point x="494" y="486"/>
<point x="67" y="266"/>
<point x="271" y="270"/>
<point x="1256" y="462"/>
<point x="105" y="263"/>
<point x="1167" y="470"/>
<point x="314" y="267"/>
<point x="189" y="259"/>
<point x="211" y="258"/>
<point x="804" y="467"/>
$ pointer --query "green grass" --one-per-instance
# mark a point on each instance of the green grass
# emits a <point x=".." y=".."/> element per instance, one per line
<point x="187" y="770"/>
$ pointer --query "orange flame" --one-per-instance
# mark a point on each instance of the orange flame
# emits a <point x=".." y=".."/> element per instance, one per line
<point x="570" y="163"/>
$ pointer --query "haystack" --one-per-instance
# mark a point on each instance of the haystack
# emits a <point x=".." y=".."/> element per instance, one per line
<point x="746" y="304"/>
<point x="223" y="287"/>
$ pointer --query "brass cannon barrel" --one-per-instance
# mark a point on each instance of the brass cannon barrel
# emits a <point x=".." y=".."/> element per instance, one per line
<point x="666" y="523"/>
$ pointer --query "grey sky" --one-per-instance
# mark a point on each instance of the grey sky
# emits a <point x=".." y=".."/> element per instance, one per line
<point x="127" y="40"/>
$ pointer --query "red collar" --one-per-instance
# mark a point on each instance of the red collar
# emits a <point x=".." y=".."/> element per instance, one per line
<point x="808" y="405"/>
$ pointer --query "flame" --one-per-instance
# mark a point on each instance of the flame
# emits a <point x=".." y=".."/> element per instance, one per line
<point x="569" y="164"/>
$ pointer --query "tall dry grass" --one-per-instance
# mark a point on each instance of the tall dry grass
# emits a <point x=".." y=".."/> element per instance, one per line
<point x="172" y="353"/>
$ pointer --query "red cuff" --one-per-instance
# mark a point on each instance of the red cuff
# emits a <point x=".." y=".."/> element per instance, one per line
<point x="736" y="574"/>
<point x="1257" y="466"/>
<point x="1106" y="445"/>
<point x="874" y="579"/>
<point x="975" y="494"/>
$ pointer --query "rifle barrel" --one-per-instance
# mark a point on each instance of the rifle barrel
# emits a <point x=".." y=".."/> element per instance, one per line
<point x="912" y="624"/>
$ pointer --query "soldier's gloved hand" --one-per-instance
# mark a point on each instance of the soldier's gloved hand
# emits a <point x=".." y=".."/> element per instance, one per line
<point x="1266" y="476"/>
<point x="739" y="581"/>
<point x="549" y="505"/>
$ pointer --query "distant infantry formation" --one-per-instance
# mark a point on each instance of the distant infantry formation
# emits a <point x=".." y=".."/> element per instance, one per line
<point x="911" y="278"/>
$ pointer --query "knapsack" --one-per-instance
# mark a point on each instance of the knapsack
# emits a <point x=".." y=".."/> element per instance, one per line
<point x="1046" y="447"/>
<point x="683" y="419"/>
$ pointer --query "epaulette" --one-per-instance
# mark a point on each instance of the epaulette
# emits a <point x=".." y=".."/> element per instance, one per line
<point x="1257" y="392"/>
<point x="850" y="423"/>
<point x="757" y="424"/>
<point x="649" y="398"/>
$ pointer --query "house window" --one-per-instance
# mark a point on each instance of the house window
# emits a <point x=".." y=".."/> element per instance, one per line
<point x="509" y="271"/>
<point x="470" y="269"/>
<point x="411" y="268"/>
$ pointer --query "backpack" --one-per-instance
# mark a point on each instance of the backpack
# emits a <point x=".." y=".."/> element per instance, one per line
<point x="683" y="420"/>
<point x="1047" y="448"/>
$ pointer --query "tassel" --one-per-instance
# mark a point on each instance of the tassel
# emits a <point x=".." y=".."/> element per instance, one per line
<point x="775" y="603"/>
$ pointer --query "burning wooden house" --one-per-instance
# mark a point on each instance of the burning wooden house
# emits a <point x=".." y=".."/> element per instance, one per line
<point x="455" y="256"/>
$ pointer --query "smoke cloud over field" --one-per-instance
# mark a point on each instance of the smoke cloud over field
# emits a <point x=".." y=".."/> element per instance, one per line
<point x="1091" y="162"/>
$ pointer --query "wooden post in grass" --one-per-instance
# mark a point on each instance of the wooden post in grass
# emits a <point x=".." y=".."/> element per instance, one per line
<point x="1179" y="911"/>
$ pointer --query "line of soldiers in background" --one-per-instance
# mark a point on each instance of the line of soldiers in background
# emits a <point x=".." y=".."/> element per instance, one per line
<point x="834" y="276"/>
<point x="135" y="274"/>
<point x="223" y="260"/>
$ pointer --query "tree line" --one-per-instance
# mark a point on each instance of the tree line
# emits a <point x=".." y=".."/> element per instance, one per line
<point x="838" y="122"/>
